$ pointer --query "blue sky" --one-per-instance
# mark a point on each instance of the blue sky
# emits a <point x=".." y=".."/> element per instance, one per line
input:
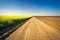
<point x="30" y="7"/>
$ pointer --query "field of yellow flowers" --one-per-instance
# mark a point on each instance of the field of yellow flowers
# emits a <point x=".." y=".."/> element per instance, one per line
<point x="7" y="21"/>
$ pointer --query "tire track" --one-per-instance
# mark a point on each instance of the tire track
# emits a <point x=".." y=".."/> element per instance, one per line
<point x="35" y="29"/>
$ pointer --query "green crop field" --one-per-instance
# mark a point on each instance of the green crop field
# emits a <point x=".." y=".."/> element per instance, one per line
<point x="7" y="21"/>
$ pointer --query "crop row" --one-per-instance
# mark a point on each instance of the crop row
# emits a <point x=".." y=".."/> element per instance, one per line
<point x="8" y="23"/>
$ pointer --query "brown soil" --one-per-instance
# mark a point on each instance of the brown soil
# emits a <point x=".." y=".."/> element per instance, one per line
<point x="38" y="28"/>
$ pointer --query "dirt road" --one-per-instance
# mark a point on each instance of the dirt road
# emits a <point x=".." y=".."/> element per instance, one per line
<point x="35" y="29"/>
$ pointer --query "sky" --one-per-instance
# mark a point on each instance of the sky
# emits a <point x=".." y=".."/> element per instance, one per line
<point x="30" y="7"/>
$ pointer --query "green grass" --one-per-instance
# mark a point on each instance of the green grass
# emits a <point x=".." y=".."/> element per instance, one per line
<point x="8" y="23"/>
